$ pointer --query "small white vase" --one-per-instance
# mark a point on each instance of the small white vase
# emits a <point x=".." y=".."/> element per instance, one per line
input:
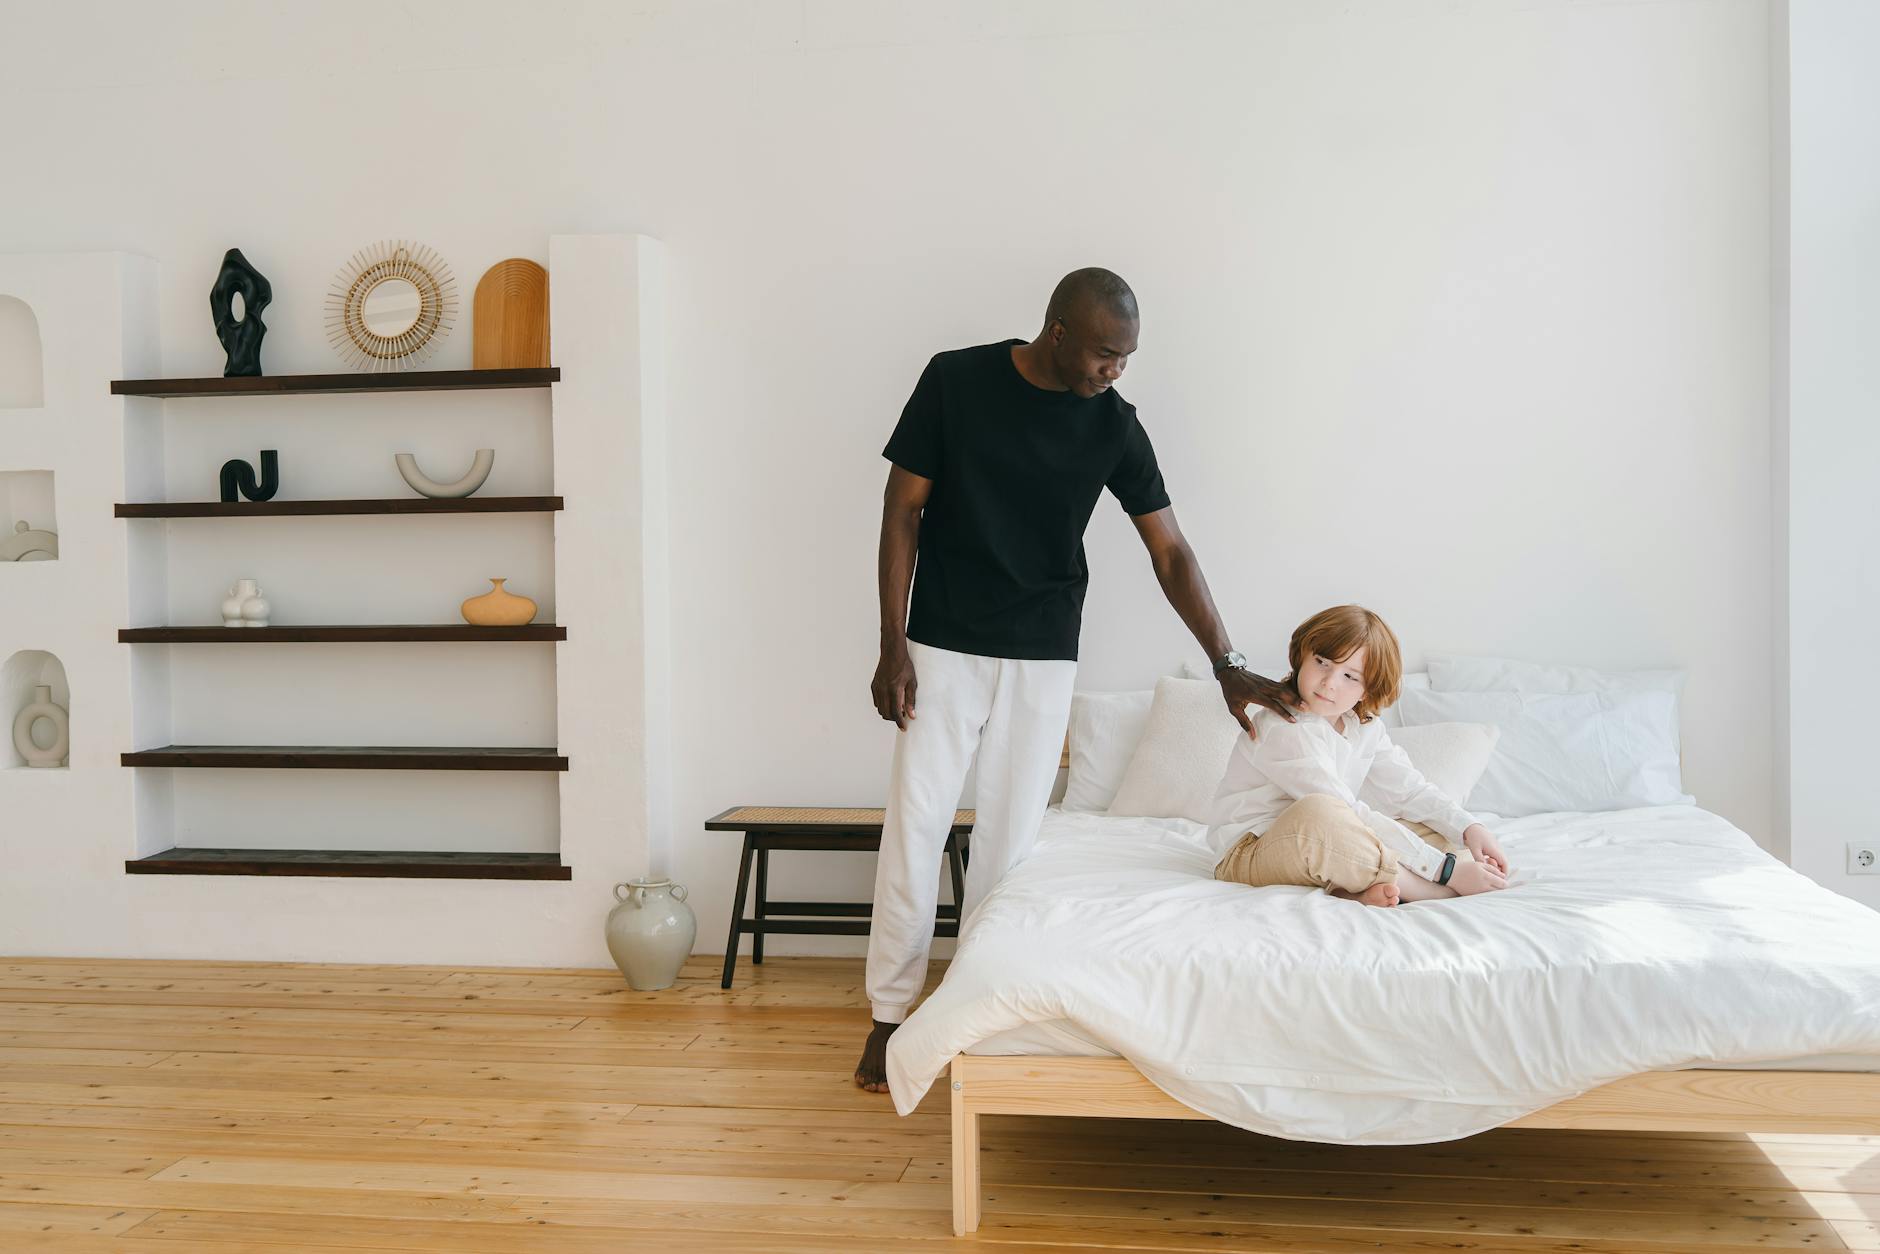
<point x="42" y="707"/>
<point x="650" y="933"/>
<point x="238" y="596"/>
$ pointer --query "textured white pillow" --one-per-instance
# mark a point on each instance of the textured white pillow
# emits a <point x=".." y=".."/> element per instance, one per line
<point x="1199" y="670"/>
<point x="1416" y="679"/>
<point x="1182" y="756"/>
<point x="1452" y="756"/>
<point x="1453" y="673"/>
<point x="1105" y="727"/>
<point x="1578" y="751"/>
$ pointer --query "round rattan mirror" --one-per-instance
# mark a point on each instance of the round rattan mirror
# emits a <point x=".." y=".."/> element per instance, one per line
<point x="389" y="304"/>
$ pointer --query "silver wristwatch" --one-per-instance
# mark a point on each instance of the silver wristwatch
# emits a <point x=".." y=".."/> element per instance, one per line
<point x="1231" y="661"/>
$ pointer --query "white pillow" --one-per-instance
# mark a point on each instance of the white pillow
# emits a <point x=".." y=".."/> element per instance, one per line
<point x="1416" y="679"/>
<point x="1453" y="756"/>
<point x="1452" y="673"/>
<point x="1199" y="670"/>
<point x="1178" y="765"/>
<point x="1393" y="718"/>
<point x="1577" y="751"/>
<point x="1105" y="727"/>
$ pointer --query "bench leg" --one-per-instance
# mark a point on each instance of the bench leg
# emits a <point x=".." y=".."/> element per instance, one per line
<point x="957" y="865"/>
<point x="965" y="1161"/>
<point x="763" y="902"/>
<point x="737" y="912"/>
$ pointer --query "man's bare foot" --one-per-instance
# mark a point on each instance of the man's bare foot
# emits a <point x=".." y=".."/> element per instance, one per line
<point x="871" y="1073"/>
<point x="1376" y="895"/>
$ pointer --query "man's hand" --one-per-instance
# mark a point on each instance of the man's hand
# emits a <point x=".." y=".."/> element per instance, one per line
<point x="1241" y="687"/>
<point x="894" y="685"/>
<point x="1179" y="573"/>
<point x="1487" y="850"/>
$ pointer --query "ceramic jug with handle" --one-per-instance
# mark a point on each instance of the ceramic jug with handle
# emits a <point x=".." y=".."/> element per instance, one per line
<point x="650" y="932"/>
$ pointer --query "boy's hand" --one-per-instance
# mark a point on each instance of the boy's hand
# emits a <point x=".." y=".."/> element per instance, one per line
<point x="1481" y="842"/>
<point x="1470" y="878"/>
<point x="1241" y="687"/>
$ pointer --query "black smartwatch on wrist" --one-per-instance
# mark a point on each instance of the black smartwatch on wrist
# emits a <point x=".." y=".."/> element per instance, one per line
<point x="1230" y="660"/>
<point x="1449" y="868"/>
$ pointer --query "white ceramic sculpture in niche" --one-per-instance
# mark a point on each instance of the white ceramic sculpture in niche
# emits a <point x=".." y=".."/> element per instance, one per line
<point x="42" y="710"/>
<point x="28" y="545"/>
<point x="245" y="606"/>
<point x="424" y="485"/>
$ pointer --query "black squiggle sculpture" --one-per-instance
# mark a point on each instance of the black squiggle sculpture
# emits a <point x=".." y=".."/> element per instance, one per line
<point x="239" y="476"/>
<point x="241" y="340"/>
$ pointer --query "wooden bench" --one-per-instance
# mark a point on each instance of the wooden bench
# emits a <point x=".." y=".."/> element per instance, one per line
<point x="839" y="829"/>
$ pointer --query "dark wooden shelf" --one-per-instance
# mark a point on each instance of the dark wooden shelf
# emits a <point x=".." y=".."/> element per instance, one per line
<point x="396" y="632"/>
<point x="390" y="505"/>
<point x="352" y="757"/>
<point x="417" y="864"/>
<point x="303" y="384"/>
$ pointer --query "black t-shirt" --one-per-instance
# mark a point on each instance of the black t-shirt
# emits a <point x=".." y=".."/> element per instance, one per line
<point x="1016" y="473"/>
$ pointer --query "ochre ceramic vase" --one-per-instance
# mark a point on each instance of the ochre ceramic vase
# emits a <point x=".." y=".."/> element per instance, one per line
<point x="497" y="608"/>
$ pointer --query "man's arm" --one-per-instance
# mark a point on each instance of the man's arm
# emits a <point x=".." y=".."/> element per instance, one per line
<point x="901" y="506"/>
<point x="1178" y="570"/>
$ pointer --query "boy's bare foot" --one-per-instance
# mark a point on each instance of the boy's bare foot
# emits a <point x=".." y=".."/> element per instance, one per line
<point x="871" y="1073"/>
<point x="1380" y="895"/>
<point x="1376" y="895"/>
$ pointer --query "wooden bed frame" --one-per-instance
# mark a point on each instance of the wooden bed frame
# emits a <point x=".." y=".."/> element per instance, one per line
<point x="1663" y="1101"/>
<point x="1826" y="1102"/>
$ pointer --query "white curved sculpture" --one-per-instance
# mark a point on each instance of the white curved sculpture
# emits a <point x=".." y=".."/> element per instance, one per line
<point x="28" y="545"/>
<point x="427" y="486"/>
<point x="42" y="709"/>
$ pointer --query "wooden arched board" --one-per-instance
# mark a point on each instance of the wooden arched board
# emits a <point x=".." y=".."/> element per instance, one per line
<point x="510" y="317"/>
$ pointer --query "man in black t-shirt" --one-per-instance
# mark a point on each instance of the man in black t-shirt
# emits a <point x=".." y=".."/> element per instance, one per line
<point x="998" y="461"/>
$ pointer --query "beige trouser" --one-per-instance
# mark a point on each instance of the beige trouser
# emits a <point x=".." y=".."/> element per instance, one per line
<point x="1319" y="842"/>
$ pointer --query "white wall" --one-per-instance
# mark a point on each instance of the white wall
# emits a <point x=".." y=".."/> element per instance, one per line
<point x="1832" y="432"/>
<point x="1500" y="270"/>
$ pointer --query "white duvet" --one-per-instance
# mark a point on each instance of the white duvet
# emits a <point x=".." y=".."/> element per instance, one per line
<point x="1636" y="940"/>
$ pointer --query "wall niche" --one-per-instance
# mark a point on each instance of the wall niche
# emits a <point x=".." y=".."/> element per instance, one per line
<point x="34" y="701"/>
<point x="22" y="363"/>
<point x="28" y="518"/>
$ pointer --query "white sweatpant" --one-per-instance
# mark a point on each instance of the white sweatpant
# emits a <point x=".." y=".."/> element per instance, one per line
<point x="1013" y="713"/>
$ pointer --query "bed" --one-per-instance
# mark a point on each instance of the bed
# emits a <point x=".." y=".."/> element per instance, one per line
<point x="1652" y="969"/>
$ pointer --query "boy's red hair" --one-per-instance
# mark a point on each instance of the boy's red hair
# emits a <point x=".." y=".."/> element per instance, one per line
<point x="1339" y="632"/>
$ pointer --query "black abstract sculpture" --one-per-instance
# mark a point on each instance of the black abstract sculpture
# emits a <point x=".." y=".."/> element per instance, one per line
<point x="239" y="476"/>
<point x="241" y="337"/>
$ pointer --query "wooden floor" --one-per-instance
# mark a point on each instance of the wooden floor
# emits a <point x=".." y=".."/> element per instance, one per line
<point x="205" y="1108"/>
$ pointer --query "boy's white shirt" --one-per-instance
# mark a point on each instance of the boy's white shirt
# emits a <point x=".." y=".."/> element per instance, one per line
<point x="1362" y="767"/>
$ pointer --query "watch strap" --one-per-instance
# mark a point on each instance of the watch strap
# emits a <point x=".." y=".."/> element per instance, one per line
<point x="1449" y="868"/>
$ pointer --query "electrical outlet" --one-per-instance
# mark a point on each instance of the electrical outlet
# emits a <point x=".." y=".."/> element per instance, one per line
<point x="1863" y="859"/>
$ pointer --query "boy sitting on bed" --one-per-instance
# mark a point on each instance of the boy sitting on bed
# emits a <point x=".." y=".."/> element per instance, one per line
<point x="1316" y="802"/>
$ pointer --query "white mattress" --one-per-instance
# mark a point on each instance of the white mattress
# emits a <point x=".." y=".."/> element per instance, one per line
<point x="1633" y="941"/>
<point x="1062" y="1038"/>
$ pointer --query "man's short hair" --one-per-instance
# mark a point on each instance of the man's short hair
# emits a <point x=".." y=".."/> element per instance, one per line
<point x="1092" y="288"/>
